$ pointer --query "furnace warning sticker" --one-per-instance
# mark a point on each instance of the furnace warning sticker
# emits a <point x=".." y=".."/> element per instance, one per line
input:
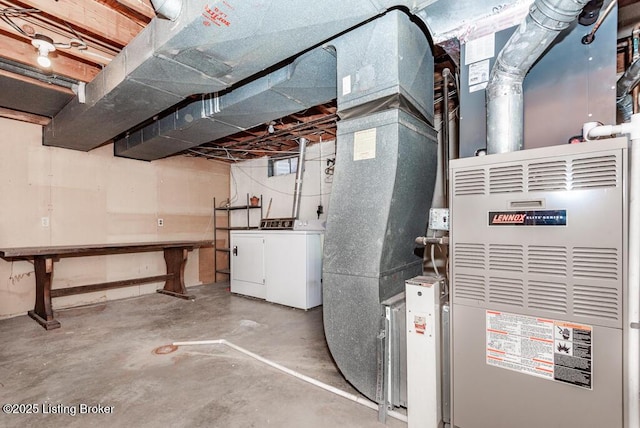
<point x="419" y="324"/>
<point x="572" y="354"/>
<point x="553" y="350"/>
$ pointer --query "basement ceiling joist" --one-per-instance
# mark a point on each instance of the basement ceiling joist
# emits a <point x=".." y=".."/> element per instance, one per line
<point x="315" y="124"/>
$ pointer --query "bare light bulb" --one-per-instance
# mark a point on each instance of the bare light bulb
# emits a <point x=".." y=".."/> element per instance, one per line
<point x="44" y="44"/>
<point x="44" y="61"/>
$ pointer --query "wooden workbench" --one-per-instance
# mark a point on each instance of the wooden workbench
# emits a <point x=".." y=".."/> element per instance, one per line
<point x="175" y="256"/>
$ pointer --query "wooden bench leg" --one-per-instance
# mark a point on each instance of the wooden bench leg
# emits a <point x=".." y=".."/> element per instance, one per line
<point x="176" y="260"/>
<point x="42" y="311"/>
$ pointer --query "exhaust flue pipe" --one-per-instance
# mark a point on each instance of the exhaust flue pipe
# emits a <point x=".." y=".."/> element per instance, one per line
<point x="505" y="101"/>
<point x="297" y="194"/>
<point x="170" y="9"/>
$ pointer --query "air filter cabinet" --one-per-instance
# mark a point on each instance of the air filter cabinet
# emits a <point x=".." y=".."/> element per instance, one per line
<point x="538" y="247"/>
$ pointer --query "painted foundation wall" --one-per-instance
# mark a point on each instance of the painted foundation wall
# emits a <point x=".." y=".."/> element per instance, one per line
<point x="53" y="196"/>
<point x="251" y="177"/>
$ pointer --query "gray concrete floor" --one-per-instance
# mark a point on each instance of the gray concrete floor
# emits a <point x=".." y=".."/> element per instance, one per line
<point x="104" y="355"/>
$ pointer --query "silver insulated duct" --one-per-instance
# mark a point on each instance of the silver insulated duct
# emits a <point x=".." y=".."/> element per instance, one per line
<point x="210" y="46"/>
<point x="306" y="82"/>
<point x="505" y="101"/>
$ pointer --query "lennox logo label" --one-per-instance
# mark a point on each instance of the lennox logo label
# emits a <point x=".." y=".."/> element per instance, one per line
<point x="528" y="218"/>
<point x="508" y="218"/>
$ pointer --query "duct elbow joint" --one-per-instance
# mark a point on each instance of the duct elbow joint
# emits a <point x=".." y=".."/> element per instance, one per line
<point x="169" y="9"/>
<point x="497" y="89"/>
<point x="556" y="15"/>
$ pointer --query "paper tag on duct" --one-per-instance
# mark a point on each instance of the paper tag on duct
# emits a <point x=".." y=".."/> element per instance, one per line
<point x="346" y="85"/>
<point x="364" y="144"/>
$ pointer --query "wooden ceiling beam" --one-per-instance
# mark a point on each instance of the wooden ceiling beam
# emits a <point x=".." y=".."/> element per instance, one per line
<point x="36" y="82"/>
<point x="89" y="55"/>
<point x="24" y="117"/>
<point x="327" y="108"/>
<point x="143" y="7"/>
<point x="19" y="51"/>
<point x="90" y="15"/>
<point x="309" y="118"/>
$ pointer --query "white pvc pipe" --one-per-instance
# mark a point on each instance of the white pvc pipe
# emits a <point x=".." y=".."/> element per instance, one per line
<point x="606" y="130"/>
<point x="333" y="389"/>
<point x="631" y="332"/>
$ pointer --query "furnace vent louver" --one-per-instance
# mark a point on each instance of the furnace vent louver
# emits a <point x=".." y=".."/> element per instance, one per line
<point x="581" y="173"/>
<point x="547" y="260"/>
<point x="506" y="258"/>
<point x="506" y="179"/>
<point x="507" y="291"/>
<point x="470" y="256"/>
<point x="546" y="176"/>
<point x="596" y="301"/>
<point x="469" y="183"/>
<point x="594" y="172"/>
<point x="549" y="296"/>
<point x="599" y="266"/>
<point x="470" y="287"/>
<point x="596" y="263"/>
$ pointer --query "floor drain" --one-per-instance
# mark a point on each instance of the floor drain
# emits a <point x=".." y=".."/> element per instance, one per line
<point x="165" y="349"/>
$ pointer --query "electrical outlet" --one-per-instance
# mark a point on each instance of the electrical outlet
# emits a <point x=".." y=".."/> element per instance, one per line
<point x="44" y="221"/>
<point x="160" y="222"/>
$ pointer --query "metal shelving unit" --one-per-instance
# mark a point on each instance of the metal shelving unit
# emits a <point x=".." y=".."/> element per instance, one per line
<point x="225" y="229"/>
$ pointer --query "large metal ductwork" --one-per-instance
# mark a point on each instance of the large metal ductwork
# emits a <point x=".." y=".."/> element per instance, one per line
<point x="382" y="187"/>
<point x="626" y="83"/>
<point x="209" y="47"/>
<point x="309" y="81"/>
<point x="505" y="101"/>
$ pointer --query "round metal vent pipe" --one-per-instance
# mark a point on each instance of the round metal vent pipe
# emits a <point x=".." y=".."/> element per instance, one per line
<point x="297" y="194"/>
<point x="505" y="101"/>
<point x="170" y="9"/>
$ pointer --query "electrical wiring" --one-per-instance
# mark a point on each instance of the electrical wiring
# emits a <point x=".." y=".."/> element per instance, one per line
<point x="233" y="198"/>
<point x="433" y="259"/>
<point x="16" y="278"/>
<point x="439" y="99"/>
<point x="246" y="151"/>
<point x="13" y="12"/>
<point x="206" y="155"/>
<point x="276" y="190"/>
<point x="25" y="13"/>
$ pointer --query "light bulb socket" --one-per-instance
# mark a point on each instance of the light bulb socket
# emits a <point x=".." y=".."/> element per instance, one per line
<point x="44" y="44"/>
